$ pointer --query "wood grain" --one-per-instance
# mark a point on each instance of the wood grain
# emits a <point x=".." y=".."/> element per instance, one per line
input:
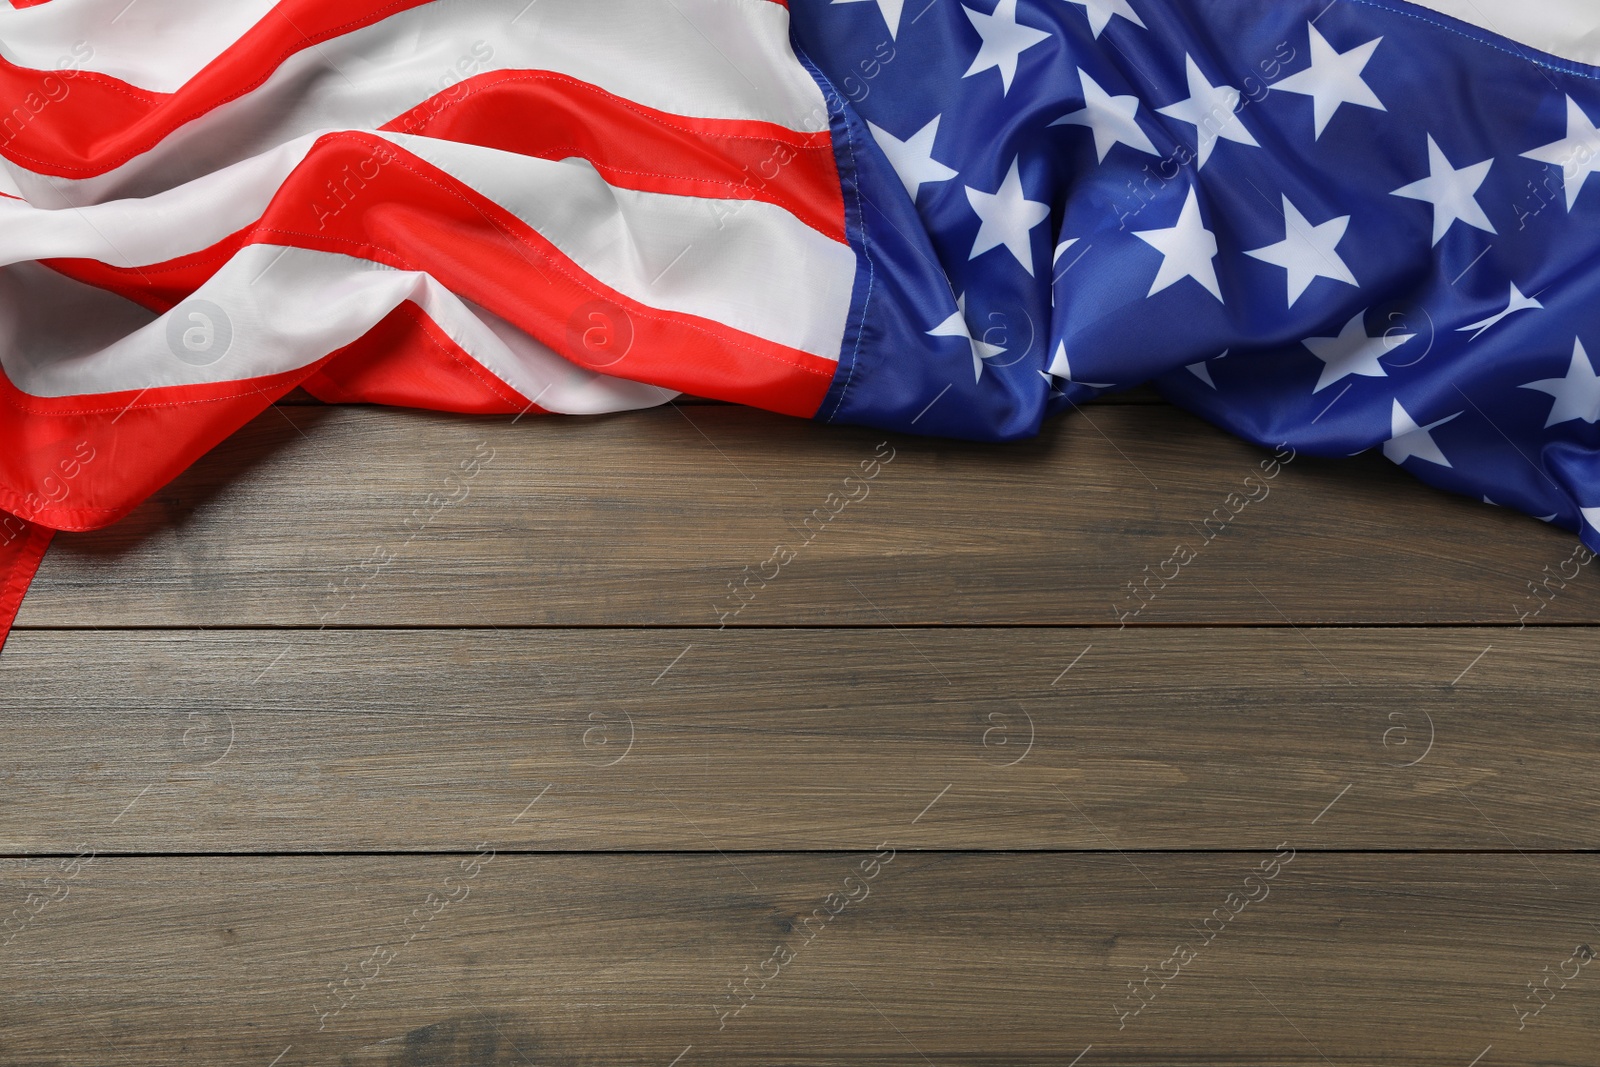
<point x="798" y="739"/>
<point x="647" y="519"/>
<point x="1398" y="960"/>
<point x="297" y="651"/>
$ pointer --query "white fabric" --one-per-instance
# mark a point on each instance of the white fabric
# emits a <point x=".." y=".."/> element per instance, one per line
<point x="748" y="264"/>
<point x="1566" y="28"/>
<point x="154" y="46"/>
<point x="745" y="263"/>
<point x="724" y="67"/>
<point x="282" y="309"/>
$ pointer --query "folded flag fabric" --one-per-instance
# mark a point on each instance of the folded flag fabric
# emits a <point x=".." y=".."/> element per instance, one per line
<point x="1337" y="225"/>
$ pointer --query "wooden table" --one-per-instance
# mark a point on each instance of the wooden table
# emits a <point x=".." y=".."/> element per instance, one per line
<point x="701" y="736"/>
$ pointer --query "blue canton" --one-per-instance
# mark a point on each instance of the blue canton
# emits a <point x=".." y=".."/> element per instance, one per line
<point x="1338" y="226"/>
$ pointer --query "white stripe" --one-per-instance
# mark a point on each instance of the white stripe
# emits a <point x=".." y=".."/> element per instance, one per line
<point x="1566" y="28"/>
<point x="698" y="58"/>
<point x="748" y="264"/>
<point x="531" y="368"/>
<point x="733" y="61"/>
<point x="745" y="263"/>
<point x="154" y="44"/>
<point x="706" y="46"/>
<point x="281" y="309"/>
<point x="126" y="233"/>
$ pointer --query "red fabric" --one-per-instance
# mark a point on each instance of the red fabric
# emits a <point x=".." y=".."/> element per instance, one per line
<point x="423" y="218"/>
<point x="88" y="465"/>
<point x="83" y="462"/>
<point x="417" y="217"/>
<point x="536" y="114"/>
<point x="552" y="116"/>
<point x="408" y="361"/>
<point x="97" y="122"/>
<point x="22" y="546"/>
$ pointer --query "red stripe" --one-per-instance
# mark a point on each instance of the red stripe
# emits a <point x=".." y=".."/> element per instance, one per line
<point x="413" y="216"/>
<point x="554" y="116"/>
<point x="417" y="218"/>
<point x="163" y="286"/>
<point x="407" y="361"/>
<point x="75" y="124"/>
<point x="550" y="116"/>
<point x="81" y="462"/>
<point x="22" y="546"/>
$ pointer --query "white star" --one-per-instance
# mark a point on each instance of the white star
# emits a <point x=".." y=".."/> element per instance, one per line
<point x="1055" y="261"/>
<point x="956" y="326"/>
<point x="1202" y="370"/>
<point x="1061" y="367"/>
<point x="1110" y="117"/>
<point x="1212" y="110"/>
<point x="1577" y="395"/>
<point x="1187" y="250"/>
<point x="1004" y="39"/>
<point x="1451" y="192"/>
<point x="1333" y="79"/>
<point x="891" y="12"/>
<point x="1354" y="351"/>
<point x="1101" y="12"/>
<point x="912" y="159"/>
<point x="1577" y="154"/>
<point x="1590" y="515"/>
<point x="1517" y="303"/>
<point x="1407" y="439"/>
<point x="1307" y="252"/>
<point x="1008" y="218"/>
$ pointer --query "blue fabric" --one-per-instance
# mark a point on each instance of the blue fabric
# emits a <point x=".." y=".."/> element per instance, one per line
<point x="1478" y="97"/>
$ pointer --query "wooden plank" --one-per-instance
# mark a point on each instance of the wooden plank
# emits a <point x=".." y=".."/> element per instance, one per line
<point x="330" y="516"/>
<point x="794" y="739"/>
<point x="1399" y="960"/>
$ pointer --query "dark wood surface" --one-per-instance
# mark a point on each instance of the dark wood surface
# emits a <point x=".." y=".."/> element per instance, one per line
<point x="1160" y="738"/>
<point x="966" y="958"/>
<point x="308" y="763"/>
<point x="644" y="520"/>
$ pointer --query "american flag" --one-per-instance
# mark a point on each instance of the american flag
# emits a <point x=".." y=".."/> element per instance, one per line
<point x="1336" y="226"/>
